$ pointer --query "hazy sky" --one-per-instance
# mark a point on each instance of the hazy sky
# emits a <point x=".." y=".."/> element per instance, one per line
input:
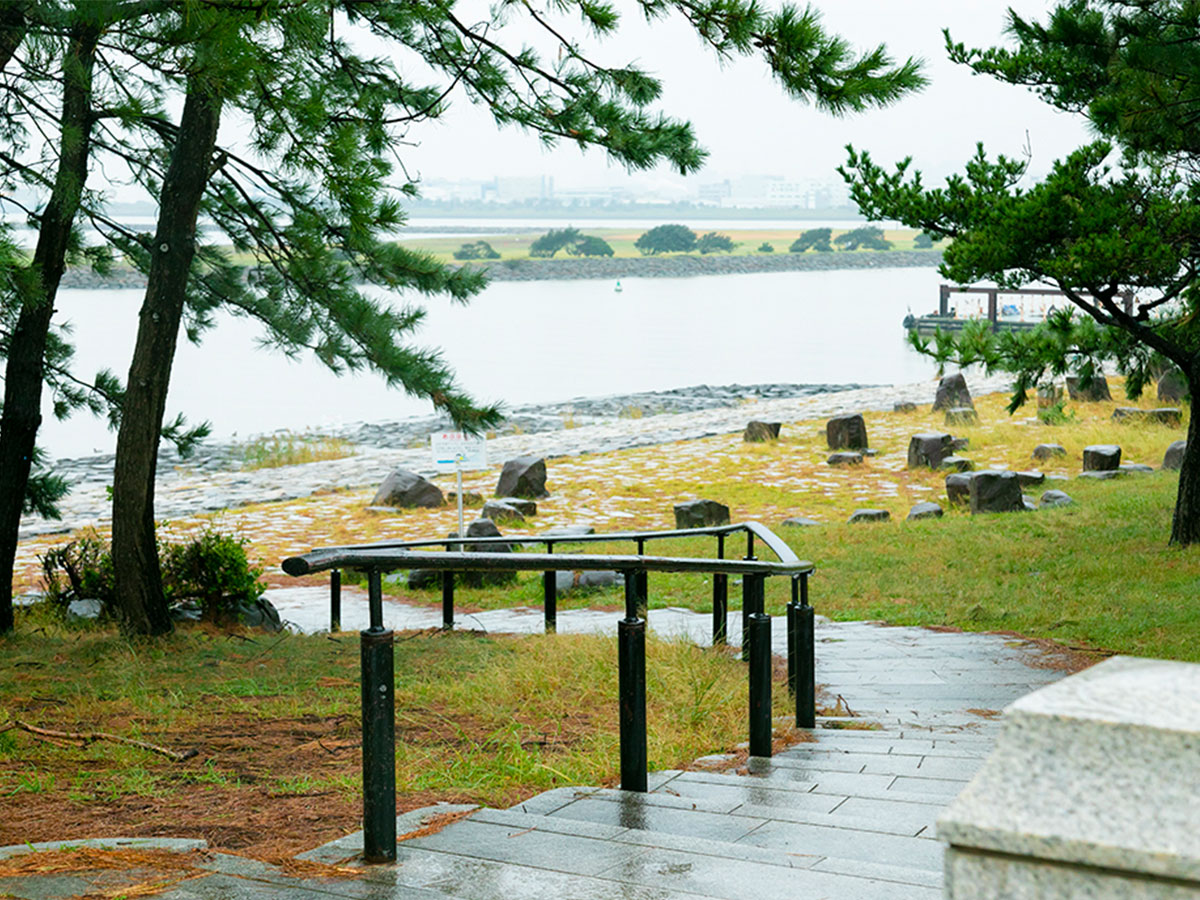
<point x="743" y="118"/>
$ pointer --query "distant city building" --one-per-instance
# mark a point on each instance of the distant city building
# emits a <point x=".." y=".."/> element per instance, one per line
<point x="514" y="189"/>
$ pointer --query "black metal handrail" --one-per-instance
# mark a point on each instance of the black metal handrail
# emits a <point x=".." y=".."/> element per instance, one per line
<point x="378" y="713"/>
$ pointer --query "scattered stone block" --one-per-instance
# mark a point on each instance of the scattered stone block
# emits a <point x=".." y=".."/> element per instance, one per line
<point x="1166" y="415"/>
<point x="924" y="510"/>
<point x="957" y="463"/>
<point x="1043" y="452"/>
<point x="1051" y="499"/>
<point x="904" y="406"/>
<point x="1174" y="455"/>
<point x="1135" y="468"/>
<point x="523" y="506"/>
<point x="962" y="415"/>
<point x="258" y="613"/>
<point x="501" y="511"/>
<point x="847" y="432"/>
<point x="928" y="449"/>
<point x="952" y="392"/>
<point x="1101" y="457"/>
<point x="993" y="492"/>
<point x="757" y="432"/>
<point x="524" y="476"/>
<point x="701" y="514"/>
<point x="1028" y="504"/>
<point x="1128" y="414"/>
<point x="1102" y="475"/>
<point x="1028" y="479"/>
<point x="567" y="582"/>
<point x="480" y="528"/>
<point x="958" y="488"/>
<point x="569" y="531"/>
<point x="470" y="498"/>
<point x="957" y="444"/>
<point x="1048" y="395"/>
<point x="869" y="515"/>
<point x="1096" y="391"/>
<point x="800" y="522"/>
<point x="407" y="489"/>
<point x="845" y="458"/>
<point x="1172" y="387"/>
<point x="85" y="608"/>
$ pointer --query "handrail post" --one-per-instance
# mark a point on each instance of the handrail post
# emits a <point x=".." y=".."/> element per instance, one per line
<point x="752" y="602"/>
<point x="792" y="635"/>
<point x="759" y="639"/>
<point x="378" y="731"/>
<point x="550" y="595"/>
<point x="335" y="601"/>
<point x="806" y="662"/>
<point x="643" y="581"/>
<point x="631" y="674"/>
<point x="720" y="609"/>
<point x="447" y="599"/>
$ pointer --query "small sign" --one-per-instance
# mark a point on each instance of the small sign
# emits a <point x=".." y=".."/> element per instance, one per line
<point x="453" y="449"/>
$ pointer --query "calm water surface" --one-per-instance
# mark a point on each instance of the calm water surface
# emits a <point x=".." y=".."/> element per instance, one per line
<point x="529" y="342"/>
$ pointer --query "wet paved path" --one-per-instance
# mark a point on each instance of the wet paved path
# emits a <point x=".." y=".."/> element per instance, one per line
<point x="850" y="815"/>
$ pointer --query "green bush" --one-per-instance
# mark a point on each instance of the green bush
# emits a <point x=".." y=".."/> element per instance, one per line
<point x="476" y="250"/>
<point x="869" y="237"/>
<point x="814" y="238"/>
<point x="666" y="239"/>
<point x="210" y="569"/>
<point x="764" y="247"/>
<point x="922" y="241"/>
<point x="715" y="243"/>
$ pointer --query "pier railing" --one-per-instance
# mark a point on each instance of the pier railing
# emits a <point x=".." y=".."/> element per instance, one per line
<point x="378" y="712"/>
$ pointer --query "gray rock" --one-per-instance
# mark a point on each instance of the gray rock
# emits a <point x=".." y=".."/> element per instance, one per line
<point x="1101" y="457"/>
<point x="958" y="488"/>
<point x="524" y="476"/>
<point x="1029" y="505"/>
<point x="1128" y="414"/>
<point x="928" y="449"/>
<point x="1136" y="468"/>
<point x="962" y="415"/>
<point x="424" y="579"/>
<point x="569" y="531"/>
<point x="924" y="510"/>
<point x="904" y="406"/>
<point x="501" y="511"/>
<point x="1030" y="478"/>
<point x="845" y="458"/>
<point x="407" y="489"/>
<point x="85" y="608"/>
<point x="952" y="392"/>
<point x="701" y="514"/>
<point x="957" y="444"/>
<point x="1166" y="415"/>
<point x="470" y="498"/>
<point x="847" y="432"/>
<point x="1174" y="455"/>
<point x="800" y="522"/>
<point x="259" y="613"/>
<point x="1102" y="475"/>
<point x="957" y="463"/>
<point x="187" y="611"/>
<point x="1048" y="395"/>
<point x="1097" y="390"/>
<point x="1047" y="451"/>
<point x="1050" y="499"/>
<point x="757" y="432"/>
<point x="482" y="528"/>
<point x="993" y="492"/>
<point x="869" y="515"/>
<point x="1172" y="387"/>
<point x="523" y="506"/>
<point x="566" y="582"/>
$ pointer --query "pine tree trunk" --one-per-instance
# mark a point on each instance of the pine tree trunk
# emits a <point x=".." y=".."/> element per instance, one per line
<point x="1185" y="524"/>
<point x="140" y="600"/>
<point x="25" y="367"/>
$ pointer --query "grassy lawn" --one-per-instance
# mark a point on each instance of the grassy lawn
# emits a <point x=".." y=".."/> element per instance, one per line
<point x="275" y="723"/>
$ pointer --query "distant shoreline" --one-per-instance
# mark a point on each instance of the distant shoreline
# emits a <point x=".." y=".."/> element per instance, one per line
<point x="623" y="267"/>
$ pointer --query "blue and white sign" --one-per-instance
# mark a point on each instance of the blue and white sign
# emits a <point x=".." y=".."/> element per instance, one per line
<point x="455" y="450"/>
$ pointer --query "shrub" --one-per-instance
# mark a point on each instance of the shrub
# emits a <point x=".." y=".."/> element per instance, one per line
<point x="814" y="238"/>
<point x="922" y="241"/>
<point x="476" y="250"/>
<point x="868" y="237"/>
<point x="715" y="243"/>
<point x="553" y="241"/>
<point x="764" y="247"/>
<point x="210" y="569"/>
<point x="666" y="239"/>
<point x="590" y="245"/>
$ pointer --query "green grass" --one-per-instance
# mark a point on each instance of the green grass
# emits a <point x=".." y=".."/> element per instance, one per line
<point x="290" y="448"/>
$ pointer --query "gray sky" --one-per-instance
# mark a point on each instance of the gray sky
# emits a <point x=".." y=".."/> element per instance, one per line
<point x="750" y="127"/>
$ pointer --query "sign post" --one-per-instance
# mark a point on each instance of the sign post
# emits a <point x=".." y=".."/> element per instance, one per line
<point x="458" y="451"/>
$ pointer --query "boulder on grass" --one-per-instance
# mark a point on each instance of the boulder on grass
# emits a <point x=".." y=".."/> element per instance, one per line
<point x="962" y="415"/>
<point x="928" y="449"/>
<point x="1172" y="387"/>
<point x="800" y="522"/>
<point x="1136" y="468"/>
<point x="924" y="510"/>
<point x="952" y="393"/>
<point x="1128" y="414"/>
<point x="904" y="406"/>
<point x="848" y="432"/>
<point x="506" y="510"/>
<point x="524" y="476"/>
<point x="1174" y="455"/>
<point x="1101" y="475"/>
<point x="1094" y="392"/>
<point x="957" y="444"/>
<point x="869" y="515"/>
<point x="1101" y="458"/>
<point x="958" y="488"/>
<point x="1166" y="415"/>
<point x="845" y="458"/>
<point x="701" y="514"/>
<point x="407" y="489"/>
<point x="1030" y="478"/>
<point x="1046" y="451"/>
<point x="470" y="498"/>
<point x="1050" y="499"/>
<point x="757" y="432"/>
<point x="996" y="492"/>
<point x="566" y="582"/>
<point x="559" y="531"/>
<point x="957" y="464"/>
<point x="483" y="528"/>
